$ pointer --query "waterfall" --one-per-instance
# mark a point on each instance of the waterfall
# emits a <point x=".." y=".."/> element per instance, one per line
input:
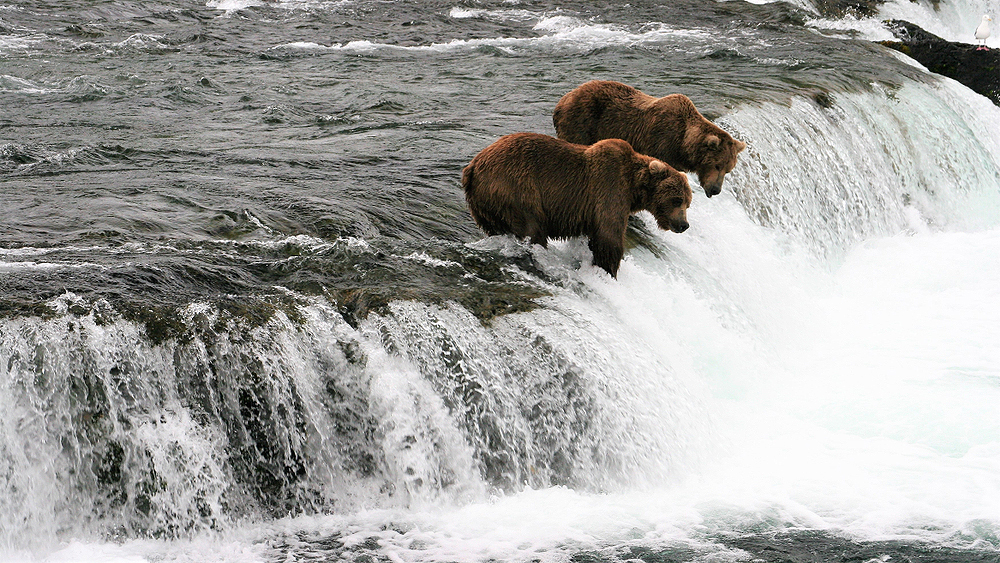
<point x="116" y="429"/>
<point x="865" y="165"/>
<point x="954" y="20"/>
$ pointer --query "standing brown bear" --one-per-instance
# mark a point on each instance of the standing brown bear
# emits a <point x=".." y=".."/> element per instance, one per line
<point x="540" y="187"/>
<point x="669" y="128"/>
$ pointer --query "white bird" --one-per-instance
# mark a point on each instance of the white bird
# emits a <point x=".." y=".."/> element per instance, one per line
<point x="983" y="31"/>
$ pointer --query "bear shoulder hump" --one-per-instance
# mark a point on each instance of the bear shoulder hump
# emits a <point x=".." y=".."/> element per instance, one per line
<point x="618" y="146"/>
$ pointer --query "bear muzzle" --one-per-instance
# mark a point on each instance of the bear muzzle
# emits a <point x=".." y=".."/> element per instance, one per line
<point x="711" y="183"/>
<point x="674" y="222"/>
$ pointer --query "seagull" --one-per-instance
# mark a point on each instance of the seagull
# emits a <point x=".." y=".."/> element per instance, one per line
<point x="982" y="32"/>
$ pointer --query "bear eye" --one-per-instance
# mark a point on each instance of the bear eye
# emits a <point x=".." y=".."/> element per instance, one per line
<point x="675" y="202"/>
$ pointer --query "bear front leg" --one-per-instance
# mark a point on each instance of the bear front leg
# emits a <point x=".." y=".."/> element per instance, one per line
<point x="532" y="228"/>
<point x="540" y="238"/>
<point x="608" y="251"/>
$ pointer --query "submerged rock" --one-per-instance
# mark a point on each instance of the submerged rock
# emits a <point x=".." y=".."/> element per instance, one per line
<point x="857" y="8"/>
<point x="974" y="67"/>
<point x="841" y="8"/>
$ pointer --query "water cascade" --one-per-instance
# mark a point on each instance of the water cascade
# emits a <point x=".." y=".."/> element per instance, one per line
<point x="604" y="387"/>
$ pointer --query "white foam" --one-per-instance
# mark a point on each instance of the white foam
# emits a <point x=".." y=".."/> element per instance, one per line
<point x="140" y="42"/>
<point x="425" y="258"/>
<point x="494" y="15"/>
<point x="204" y="550"/>
<point x="803" y="4"/>
<point x="562" y="23"/>
<point x="19" y="42"/>
<point x="872" y="418"/>
<point x="561" y="32"/>
<point x="868" y="29"/>
<point x="230" y="6"/>
<point x="233" y="5"/>
<point x="28" y="266"/>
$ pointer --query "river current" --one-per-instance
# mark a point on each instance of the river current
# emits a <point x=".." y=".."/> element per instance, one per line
<point x="245" y="315"/>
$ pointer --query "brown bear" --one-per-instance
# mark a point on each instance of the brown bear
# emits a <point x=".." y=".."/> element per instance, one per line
<point x="537" y="186"/>
<point x="668" y="128"/>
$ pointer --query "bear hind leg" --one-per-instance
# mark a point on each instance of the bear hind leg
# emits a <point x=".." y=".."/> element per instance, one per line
<point x="489" y="221"/>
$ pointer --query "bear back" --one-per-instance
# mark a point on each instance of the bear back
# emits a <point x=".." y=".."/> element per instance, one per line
<point x="669" y="128"/>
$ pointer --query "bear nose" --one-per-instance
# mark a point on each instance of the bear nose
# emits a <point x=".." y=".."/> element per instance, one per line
<point x="679" y="226"/>
<point x="713" y="190"/>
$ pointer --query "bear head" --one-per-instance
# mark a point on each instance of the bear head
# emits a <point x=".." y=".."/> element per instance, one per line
<point x="669" y="196"/>
<point x="712" y="153"/>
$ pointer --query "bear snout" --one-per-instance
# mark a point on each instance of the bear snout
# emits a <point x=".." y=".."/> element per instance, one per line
<point x="711" y="182"/>
<point x="678" y="226"/>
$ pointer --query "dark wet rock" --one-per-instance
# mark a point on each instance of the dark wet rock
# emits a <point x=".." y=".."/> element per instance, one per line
<point x="165" y="322"/>
<point x="856" y="8"/>
<point x="88" y="31"/>
<point x="841" y="8"/>
<point x="816" y="546"/>
<point x="484" y="300"/>
<point x="798" y="546"/>
<point x="974" y="67"/>
<point x="17" y="307"/>
<point x="823" y="99"/>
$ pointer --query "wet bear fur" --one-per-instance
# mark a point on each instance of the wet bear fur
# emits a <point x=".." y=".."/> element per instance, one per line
<point x="669" y="128"/>
<point x="540" y="187"/>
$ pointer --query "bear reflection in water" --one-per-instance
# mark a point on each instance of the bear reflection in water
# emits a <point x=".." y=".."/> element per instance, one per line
<point x="669" y="128"/>
<point x="540" y="187"/>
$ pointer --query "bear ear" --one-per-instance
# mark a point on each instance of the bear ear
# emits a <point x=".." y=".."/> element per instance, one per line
<point x="740" y="145"/>
<point x="657" y="166"/>
<point x="712" y="141"/>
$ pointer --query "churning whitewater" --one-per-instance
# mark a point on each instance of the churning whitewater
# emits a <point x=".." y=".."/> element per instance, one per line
<point x="245" y="315"/>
